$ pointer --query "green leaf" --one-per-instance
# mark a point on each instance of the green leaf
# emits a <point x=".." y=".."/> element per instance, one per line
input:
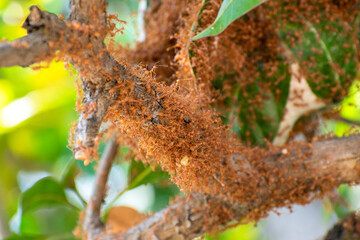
<point x="140" y="174"/>
<point x="45" y="211"/>
<point x="229" y="11"/>
<point x="341" y="207"/>
<point x="46" y="192"/>
<point x="324" y="47"/>
<point x="163" y="194"/>
<point x="256" y="122"/>
<point x="54" y="220"/>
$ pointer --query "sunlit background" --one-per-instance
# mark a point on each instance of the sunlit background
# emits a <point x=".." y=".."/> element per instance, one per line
<point x="36" y="114"/>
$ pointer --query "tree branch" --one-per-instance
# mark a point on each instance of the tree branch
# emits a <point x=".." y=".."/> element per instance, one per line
<point x="45" y="31"/>
<point x="91" y="12"/>
<point x="93" y="226"/>
<point x="202" y="213"/>
<point x="347" y="229"/>
<point x="96" y="69"/>
<point x="24" y="51"/>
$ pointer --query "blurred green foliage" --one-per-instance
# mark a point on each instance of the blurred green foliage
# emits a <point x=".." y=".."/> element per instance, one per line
<point x="36" y="112"/>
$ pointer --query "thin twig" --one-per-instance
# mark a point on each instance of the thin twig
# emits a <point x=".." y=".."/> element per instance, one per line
<point x="349" y="121"/>
<point x="93" y="226"/>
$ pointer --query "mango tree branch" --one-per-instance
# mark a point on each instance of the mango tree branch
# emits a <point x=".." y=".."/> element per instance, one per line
<point x="96" y="69"/>
<point x="188" y="219"/>
<point x="90" y="12"/>
<point x="92" y="60"/>
<point x="93" y="226"/>
<point x="24" y="51"/>
<point x="46" y="34"/>
<point x="346" y="229"/>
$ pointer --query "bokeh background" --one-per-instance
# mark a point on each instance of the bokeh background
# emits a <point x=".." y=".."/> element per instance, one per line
<point x="43" y="189"/>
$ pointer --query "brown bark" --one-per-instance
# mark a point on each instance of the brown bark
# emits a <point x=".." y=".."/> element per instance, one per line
<point x="201" y="213"/>
<point x="44" y="30"/>
<point x="347" y="229"/>
<point x="92" y="223"/>
<point x="189" y="219"/>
